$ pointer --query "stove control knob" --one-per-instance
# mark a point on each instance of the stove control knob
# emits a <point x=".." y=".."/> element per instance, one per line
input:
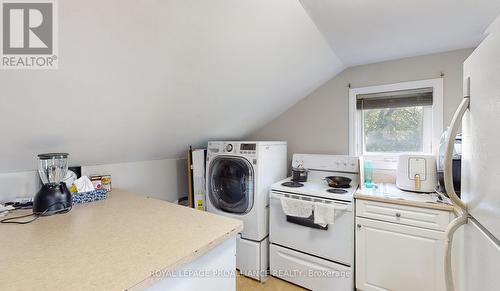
<point x="229" y="148"/>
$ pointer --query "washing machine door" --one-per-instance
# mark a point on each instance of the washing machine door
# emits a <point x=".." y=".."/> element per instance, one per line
<point x="231" y="184"/>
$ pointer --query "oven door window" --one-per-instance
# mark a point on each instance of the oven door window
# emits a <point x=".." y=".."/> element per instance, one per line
<point x="231" y="184"/>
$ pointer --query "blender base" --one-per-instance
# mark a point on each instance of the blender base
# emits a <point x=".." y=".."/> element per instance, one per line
<point x="52" y="199"/>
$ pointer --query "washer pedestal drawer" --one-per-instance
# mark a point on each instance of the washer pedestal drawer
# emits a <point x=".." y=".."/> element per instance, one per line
<point x="252" y="258"/>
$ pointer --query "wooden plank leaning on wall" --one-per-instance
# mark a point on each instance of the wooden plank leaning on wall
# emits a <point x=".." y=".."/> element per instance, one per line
<point x="190" y="177"/>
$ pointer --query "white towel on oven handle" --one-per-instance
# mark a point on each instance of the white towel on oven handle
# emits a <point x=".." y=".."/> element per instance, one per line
<point x="296" y="207"/>
<point x="324" y="214"/>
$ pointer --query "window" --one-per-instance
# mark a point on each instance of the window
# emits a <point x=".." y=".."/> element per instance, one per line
<point x="392" y="119"/>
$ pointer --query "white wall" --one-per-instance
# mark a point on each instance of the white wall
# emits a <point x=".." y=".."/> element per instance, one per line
<point x="141" y="80"/>
<point x="319" y="122"/>
<point x="18" y="184"/>
<point x="163" y="179"/>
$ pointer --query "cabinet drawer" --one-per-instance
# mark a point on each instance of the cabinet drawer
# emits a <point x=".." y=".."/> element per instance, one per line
<point x="402" y="214"/>
<point x="309" y="271"/>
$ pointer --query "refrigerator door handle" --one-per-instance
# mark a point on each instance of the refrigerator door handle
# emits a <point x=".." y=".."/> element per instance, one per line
<point x="450" y="190"/>
<point x="450" y="231"/>
<point x="448" y="154"/>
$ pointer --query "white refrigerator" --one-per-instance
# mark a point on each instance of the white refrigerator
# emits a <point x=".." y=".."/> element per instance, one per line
<point x="478" y="250"/>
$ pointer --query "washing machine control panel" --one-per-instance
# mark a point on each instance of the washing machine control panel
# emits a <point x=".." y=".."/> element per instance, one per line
<point x="247" y="149"/>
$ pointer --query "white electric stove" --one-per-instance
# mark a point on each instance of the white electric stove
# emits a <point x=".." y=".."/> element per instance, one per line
<point x="306" y="254"/>
<point x="317" y="187"/>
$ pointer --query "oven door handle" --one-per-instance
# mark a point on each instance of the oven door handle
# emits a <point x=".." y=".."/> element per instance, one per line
<point x="307" y="222"/>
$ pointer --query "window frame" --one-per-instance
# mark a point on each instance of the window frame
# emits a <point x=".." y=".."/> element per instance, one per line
<point x="389" y="160"/>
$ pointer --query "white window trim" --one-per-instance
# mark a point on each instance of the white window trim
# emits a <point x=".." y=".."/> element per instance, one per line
<point x="388" y="161"/>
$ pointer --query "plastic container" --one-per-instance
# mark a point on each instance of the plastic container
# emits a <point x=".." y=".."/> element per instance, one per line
<point x="368" y="173"/>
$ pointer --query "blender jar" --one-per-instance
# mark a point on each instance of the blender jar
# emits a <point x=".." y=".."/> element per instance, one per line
<point x="52" y="167"/>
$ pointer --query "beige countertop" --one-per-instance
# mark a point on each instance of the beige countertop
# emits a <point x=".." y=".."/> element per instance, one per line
<point x="389" y="193"/>
<point x="114" y="244"/>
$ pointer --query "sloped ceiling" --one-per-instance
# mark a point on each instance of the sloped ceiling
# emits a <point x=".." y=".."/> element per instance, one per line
<point x="368" y="31"/>
<point x="142" y="80"/>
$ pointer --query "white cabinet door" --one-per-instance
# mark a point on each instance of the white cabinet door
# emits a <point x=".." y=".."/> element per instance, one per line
<point x="207" y="273"/>
<point x="396" y="257"/>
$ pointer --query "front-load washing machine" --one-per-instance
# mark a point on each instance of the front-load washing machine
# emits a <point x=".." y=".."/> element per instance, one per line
<point x="239" y="176"/>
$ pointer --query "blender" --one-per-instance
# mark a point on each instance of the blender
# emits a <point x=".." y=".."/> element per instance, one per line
<point x="54" y="197"/>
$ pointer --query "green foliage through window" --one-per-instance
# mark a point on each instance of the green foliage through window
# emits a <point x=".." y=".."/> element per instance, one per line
<point x="393" y="129"/>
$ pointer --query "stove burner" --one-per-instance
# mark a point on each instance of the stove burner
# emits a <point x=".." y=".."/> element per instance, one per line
<point x="292" y="184"/>
<point x="337" y="191"/>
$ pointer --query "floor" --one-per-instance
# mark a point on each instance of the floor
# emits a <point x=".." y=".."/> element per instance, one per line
<point x="271" y="284"/>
